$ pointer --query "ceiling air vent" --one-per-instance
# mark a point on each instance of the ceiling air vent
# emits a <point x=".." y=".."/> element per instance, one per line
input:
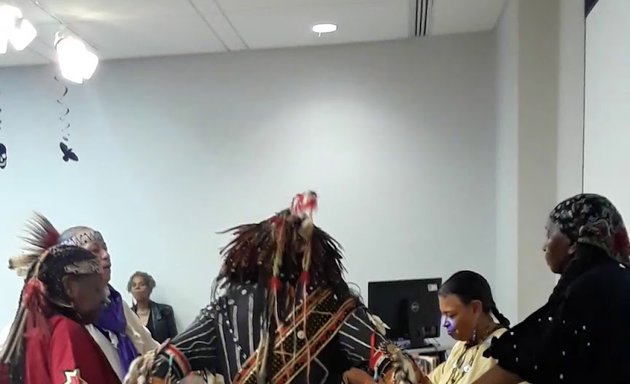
<point x="422" y="16"/>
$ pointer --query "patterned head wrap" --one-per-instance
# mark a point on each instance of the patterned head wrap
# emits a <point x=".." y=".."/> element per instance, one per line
<point x="592" y="219"/>
<point x="80" y="236"/>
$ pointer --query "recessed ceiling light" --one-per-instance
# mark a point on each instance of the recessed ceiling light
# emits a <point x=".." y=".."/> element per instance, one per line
<point x="324" y="28"/>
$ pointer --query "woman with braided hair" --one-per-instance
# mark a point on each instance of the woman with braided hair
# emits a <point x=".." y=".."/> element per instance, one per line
<point x="281" y="313"/>
<point x="472" y="318"/>
<point x="63" y="292"/>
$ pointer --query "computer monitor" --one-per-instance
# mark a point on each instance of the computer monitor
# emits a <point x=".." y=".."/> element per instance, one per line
<point x="409" y="307"/>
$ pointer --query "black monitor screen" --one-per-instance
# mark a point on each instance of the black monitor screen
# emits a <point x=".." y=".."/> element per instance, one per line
<point x="407" y="306"/>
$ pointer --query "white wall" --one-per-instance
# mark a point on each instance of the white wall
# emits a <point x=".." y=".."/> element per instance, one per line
<point x="569" y="168"/>
<point x="397" y="138"/>
<point x="539" y="79"/>
<point x="607" y="115"/>
<point x="507" y="55"/>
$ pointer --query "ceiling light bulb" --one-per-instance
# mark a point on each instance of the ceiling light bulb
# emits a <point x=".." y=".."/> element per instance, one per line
<point x="10" y="11"/>
<point x="4" y="44"/>
<point x="324" y="28"/>
<point x="76" y="63"/>
<point x="89" y="64"/>
<point x="8" y="17"/>
<point x="23" y="35"/>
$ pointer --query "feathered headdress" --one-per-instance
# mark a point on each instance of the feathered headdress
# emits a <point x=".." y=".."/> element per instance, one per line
<point x="286" y="249"/>
<point x="41" y="235"/>
<point x="30" y="318"/>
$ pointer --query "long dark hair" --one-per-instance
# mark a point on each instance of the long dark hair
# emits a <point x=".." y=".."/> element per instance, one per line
<point x="469" y="286"/>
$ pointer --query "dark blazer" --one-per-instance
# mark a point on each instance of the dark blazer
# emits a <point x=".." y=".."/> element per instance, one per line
<point x="162" y="322"/>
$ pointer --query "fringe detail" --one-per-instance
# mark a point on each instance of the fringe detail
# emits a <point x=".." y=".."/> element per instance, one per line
<point x="29" y="322"/>
<point x="286" y="254"/>
<point x="141" y="369"/>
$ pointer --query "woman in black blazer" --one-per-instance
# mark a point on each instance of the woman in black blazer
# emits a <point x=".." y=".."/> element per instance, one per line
<point x="158" y="318"/>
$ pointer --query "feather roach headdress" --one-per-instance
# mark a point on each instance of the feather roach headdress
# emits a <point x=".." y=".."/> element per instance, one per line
<point x="286" y="247"/>
<point x="286" y="254"/>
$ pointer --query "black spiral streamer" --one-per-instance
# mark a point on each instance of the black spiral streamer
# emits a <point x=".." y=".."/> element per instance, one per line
<point x="3" y="148"/>
<point x="68" y="153"/>
<point x="65" y="134"/>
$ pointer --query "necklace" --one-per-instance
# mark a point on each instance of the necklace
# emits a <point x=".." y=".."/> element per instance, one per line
<point x="463" y="366"/>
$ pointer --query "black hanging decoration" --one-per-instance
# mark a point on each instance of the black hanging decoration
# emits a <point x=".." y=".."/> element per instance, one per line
<point x="68" y="153"/>
<point x="3" y="148"/>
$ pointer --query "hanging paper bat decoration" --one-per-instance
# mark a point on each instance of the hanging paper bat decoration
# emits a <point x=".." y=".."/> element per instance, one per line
<point x="68" y="154"/>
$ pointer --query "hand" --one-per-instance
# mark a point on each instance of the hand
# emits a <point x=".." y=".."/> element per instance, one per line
<point x="356" y="376"/>
<point x="394" y="376"/>
<point x="193" y="379"/>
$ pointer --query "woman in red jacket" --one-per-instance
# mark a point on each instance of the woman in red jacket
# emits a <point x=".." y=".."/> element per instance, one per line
<point x="63" y="291"/>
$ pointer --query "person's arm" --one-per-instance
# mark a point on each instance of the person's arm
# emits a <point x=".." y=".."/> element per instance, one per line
<point x="359" y="340"/>
<point x="357" y="376"/>
<point x="554" y="342"/>
<point x="498" y="375"/>
<point x="195" y="349"/>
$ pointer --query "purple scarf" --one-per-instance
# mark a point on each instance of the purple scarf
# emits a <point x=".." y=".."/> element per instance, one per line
<point x="112" y="320"/>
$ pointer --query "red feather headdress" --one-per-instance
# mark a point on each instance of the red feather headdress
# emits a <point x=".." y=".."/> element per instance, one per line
<point x="30" y="320"/>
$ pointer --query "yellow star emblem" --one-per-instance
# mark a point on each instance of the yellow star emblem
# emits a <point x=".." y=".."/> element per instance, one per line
<point x="74" y="377"/>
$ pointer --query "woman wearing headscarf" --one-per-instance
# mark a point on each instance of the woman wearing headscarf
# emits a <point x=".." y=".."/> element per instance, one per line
<point x="581" y="335"/>
<point x="63" y="292"/>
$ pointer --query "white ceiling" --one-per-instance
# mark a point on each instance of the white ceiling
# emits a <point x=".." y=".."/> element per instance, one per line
<point x="118" y="29"/>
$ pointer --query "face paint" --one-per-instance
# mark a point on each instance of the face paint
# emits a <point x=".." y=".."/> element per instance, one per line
<point x="449" y="324"/>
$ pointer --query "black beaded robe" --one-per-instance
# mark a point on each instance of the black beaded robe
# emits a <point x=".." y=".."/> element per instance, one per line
<point x="227" y="332"/>
<point x="283" y="312"/>
<point x="581" y="335"/>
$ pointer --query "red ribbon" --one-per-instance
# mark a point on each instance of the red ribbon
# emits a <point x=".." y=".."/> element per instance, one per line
<point x="275" y="284"/>
<point x="305" y="278"/>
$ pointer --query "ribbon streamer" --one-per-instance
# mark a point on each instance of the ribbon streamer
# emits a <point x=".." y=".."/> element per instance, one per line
<point x="65" y="134"/>
<point x="68" y="153"/>
<point x="3" y="148"/>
